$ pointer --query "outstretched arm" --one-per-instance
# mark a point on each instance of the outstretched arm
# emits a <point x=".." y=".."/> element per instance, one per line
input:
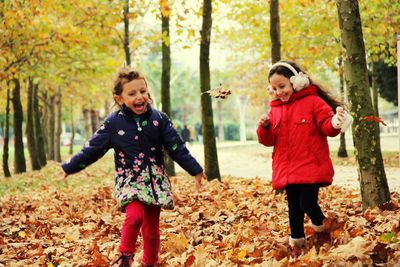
<point x="93" y="150"/>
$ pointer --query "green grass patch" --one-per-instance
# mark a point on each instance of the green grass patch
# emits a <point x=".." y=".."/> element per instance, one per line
<point x="51" y="176"/>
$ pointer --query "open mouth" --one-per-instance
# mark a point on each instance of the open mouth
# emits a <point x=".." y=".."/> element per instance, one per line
<point x="139" y="107"/>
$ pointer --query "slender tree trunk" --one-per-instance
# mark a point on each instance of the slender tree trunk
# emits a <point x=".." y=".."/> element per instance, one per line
<point x="71" y="146"/>
<point x="87" y="123"/>
<point x="126" y="34"/>
<point x="40" y="140"/>
<point x="210" y="147"/>
<point x="19" y="155"/>
<point x="51" y="127"/>
<point x="44" y="118"/>
<point x="94" y="120"/>
<point x="342" y="151"/>
<point x="30" y="128"/>
<point x="274" y="31"/>
<point x="6" y="168"/>
<point x="372" y="176"/>
<point x="166" y="73"/>
<point x="57" y="126"/>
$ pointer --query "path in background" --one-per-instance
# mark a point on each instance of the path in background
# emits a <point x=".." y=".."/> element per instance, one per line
<point x="251" y="159"/>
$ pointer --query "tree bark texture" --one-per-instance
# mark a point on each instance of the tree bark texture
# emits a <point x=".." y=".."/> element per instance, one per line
<point x="372" y="176"/>
<point x="19" y="155"/>
<point x="374" y="86"/>
<point x="342" y="151"/>
<point x="87" y="123"/>
<point x="44" y="118"/>
<point x="40" y="140"/>
<point x="51" y="127"/>
<point x="57" y="126"/>
<point x="126" y="34"/>
<point x="274" y="31"/>
<point x="94" y="119"/>
<point x="165" y="79"/>
<point x="30" y="128"/>
<point x="210" y="147"/>
<point x="6" y="168"/>
<point x="71" y="145"/>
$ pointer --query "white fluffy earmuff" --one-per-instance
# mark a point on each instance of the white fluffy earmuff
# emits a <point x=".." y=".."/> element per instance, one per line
<point x="299" y="80"/>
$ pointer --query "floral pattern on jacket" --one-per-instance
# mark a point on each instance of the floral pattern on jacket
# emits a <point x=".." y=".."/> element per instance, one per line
<point x="138" y="154"/>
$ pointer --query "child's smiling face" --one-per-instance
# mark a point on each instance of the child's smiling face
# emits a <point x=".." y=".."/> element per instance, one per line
<point x="282" y="87"/>
<point x="135" y="96"/>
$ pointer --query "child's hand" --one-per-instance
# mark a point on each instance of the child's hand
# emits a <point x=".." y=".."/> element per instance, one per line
<point x="65" y="174"/>
<point x="338" y="118"/>
<point x="198" y="179"/>
<point x="264" y="120"/>
<point x="272" y="93"/>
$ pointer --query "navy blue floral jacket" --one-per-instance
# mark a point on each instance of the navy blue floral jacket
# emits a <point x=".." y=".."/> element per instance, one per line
<point x="138" y="153"/>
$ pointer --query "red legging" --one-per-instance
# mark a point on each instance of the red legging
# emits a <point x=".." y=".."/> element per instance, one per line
<point x="147" y="218"/>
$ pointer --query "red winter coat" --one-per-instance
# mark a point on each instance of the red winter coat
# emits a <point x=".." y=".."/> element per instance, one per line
<point x="298" y="131"/>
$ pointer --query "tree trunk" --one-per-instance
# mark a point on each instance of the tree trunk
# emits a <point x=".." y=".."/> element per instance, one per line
<point x="57" y="126"/>
<point x="71" y="145"/>
<point x="166" y="74"/>
<point x="30" y="128"/>
<point x="210" y="147"/>
<point x="274" y="31"/>
<point x="19" y="155"/>
<point x="94" y="120"/>
<point x="44" y="118"/>
<point x="51" y="128"/>
<point x="40" y="140"/>
<point x="372" y="176"/>
<point x="374" y="86"/>
<point x="6" y="168"/>
<point x="342" y="151"/>
<point x="87" y="123"/>
<point x="126" y="34"/>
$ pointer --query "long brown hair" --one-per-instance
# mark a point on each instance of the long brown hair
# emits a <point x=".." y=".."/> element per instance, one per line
<point x="322" y="92"/>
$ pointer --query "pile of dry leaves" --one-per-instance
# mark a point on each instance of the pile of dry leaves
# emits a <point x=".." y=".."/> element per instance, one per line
<point x="239" y="222"/>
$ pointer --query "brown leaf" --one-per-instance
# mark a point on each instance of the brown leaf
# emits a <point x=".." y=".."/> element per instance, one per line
<point x="190" y="260"/>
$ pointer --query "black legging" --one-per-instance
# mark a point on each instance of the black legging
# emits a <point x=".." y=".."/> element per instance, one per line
<point x="303" y="199"/>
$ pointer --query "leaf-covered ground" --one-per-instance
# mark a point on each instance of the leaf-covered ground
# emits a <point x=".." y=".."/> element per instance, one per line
<point x="239" y="222"/>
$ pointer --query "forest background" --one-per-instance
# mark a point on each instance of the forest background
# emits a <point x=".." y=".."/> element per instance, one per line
<point x="59" y="59"/>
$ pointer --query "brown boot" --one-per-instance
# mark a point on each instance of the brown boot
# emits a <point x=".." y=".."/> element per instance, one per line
<point x="124" y="260"/>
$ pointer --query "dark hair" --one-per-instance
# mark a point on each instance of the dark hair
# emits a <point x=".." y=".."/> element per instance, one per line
<point x="126" y="75"/>
<point x="322" y="92"/>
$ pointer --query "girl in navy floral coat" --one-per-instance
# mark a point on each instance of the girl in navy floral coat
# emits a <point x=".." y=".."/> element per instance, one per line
<point x="138" y="134"/>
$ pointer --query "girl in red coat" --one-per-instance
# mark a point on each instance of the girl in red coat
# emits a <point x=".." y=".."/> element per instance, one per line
<point x="301" y="117"/>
